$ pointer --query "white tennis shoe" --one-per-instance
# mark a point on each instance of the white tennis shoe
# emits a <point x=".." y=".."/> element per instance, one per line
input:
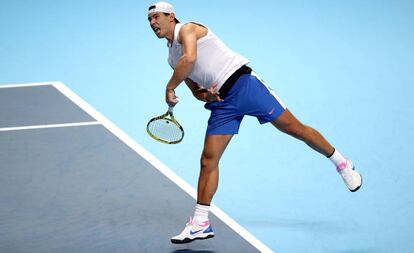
<point x="194" y="231"/>
<point x="351" y="177"/>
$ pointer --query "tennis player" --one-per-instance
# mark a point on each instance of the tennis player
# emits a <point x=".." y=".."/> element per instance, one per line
<point x="221" y="78"/>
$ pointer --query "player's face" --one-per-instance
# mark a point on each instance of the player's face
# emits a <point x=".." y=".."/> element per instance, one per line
<point x="159" y="23"/>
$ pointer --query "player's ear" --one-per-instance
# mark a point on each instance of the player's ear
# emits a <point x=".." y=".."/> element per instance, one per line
<point x="172" y="17"/>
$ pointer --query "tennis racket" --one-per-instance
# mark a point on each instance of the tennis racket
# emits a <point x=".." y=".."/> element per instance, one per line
<point x="165" y="128"/>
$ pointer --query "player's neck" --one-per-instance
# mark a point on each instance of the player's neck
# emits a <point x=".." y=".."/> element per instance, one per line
<point x="170" y="34"/>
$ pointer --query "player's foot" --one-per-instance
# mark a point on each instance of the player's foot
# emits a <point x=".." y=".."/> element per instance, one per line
<point x="194" y="231"/>
<point x="351" y="177"/>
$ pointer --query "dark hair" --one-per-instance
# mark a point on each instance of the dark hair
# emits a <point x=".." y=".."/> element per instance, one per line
<point x="175" y="19"/>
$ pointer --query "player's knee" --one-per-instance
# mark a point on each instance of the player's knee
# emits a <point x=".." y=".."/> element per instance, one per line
<point x="208" y="162"/>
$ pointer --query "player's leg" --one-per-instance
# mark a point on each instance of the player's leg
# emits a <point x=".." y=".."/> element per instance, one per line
<point x="224" y="122"/>
<point x="288" y="124"/>
<point x="261" y="101"/>
<point x="199" y="226"/>
<point x="214" y="146"/>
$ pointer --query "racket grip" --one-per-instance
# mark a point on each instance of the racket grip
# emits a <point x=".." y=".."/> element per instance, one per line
<point x="170" y="109"/>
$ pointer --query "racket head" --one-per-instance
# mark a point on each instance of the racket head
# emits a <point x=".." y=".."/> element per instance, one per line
<point x="165" y="129"/>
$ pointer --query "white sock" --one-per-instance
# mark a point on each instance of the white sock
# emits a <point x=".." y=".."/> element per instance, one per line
<point x="337" y="159"/>
<point x="201" y="213"/>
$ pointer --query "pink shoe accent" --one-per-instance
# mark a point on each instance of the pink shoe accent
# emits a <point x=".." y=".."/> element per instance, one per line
<point x="341" y="166"/>
<point x="204" y="224"/>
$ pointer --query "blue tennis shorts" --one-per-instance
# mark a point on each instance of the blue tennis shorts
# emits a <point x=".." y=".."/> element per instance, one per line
<point x="249" y="96"/>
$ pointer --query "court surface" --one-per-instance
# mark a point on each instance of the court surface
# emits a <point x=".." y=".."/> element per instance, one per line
<point x="343" y="67"/>
<point x="70" y="181"/>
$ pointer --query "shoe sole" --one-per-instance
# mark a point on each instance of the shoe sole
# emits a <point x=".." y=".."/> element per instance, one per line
<point x="187" y="240"/>
<point x="356" y="189"/>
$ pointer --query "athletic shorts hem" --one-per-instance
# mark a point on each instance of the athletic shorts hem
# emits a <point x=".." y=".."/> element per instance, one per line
<point x="273" y="118"/>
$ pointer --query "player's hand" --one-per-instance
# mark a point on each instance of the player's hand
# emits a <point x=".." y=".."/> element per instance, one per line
<point x="213" y="95"/>
<point x="170" y="97"/>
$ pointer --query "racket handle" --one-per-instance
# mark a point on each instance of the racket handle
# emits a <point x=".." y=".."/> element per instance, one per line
<point x="170" y="109"/>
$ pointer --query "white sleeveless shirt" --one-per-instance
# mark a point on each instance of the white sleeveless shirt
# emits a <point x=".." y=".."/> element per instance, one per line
<point x="215" y="62"/>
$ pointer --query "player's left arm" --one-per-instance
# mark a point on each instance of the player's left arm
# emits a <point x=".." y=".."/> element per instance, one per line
<point x="205" y="95"/>
<point x="188" y="38"/>
<point x="198" y="92"/>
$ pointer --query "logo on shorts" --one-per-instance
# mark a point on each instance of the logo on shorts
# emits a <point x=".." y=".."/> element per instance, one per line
<point x="271" y="112"/>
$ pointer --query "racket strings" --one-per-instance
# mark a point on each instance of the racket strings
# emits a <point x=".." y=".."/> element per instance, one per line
<point x="166" y="130"/>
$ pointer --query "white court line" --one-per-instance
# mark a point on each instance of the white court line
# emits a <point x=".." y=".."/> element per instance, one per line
<point x="24" y="85"/>
<point x="159" y="165"/>
<point x="89" y="123"/>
